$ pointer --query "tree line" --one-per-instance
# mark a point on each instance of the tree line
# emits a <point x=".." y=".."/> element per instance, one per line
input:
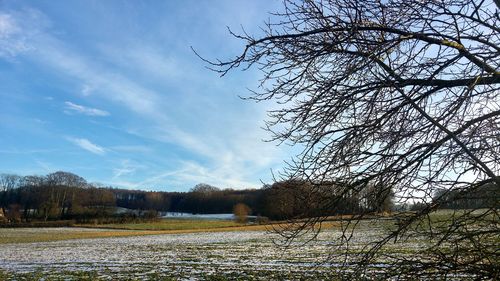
<point x="66" y="196"/>
<point x="63" y="195"/>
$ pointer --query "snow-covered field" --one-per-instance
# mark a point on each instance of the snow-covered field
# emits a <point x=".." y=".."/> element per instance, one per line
<point x="194" y="256"/>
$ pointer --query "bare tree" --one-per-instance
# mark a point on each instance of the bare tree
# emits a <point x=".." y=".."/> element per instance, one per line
<point x="61" y="187"/>
<point x="241" y="212"/>
<point x="7" y="182"/>
<point x="398" y="93"/>
<point x="204" y="189"/>
<point x="61" y="178"/>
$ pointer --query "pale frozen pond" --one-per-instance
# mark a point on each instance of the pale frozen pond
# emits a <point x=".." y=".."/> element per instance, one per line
<point x="179" y="215"/>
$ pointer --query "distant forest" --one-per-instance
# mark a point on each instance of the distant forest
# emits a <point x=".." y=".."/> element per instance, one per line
<point x="66" y="196"/>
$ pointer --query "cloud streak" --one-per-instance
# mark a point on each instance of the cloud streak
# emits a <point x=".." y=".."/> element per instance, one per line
<point x="88" y="145"/>
<point x="76" y="108"/>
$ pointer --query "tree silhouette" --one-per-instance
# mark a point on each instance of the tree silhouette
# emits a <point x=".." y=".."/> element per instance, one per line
<point x="399" y="94"/>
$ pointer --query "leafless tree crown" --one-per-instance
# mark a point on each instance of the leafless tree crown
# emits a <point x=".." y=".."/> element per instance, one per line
<point x="399" y="94"/>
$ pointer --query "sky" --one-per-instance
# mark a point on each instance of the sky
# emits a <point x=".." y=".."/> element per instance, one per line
<point x="111" y="91"/>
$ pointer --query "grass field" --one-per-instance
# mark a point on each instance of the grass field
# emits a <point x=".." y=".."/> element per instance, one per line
<point x="85" y="231"/>
<point x="170" y="224"/>
<point x="30" y="235"/>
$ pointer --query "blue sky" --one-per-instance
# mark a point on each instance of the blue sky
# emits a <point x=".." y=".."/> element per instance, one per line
<point x="111" y="91"/>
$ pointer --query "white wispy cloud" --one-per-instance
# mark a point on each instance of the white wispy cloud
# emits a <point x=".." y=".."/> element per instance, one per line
<point x="228" y="147"/>
<point x="11" y="40"/>
<point x="127" y="167"/>
<point x="112" y="85"/>
<point x="222" y="176"/>
<point x="76" y="108"/>
<point x="86" y="90"/>
<point x="88" y="145"/>
<point x="146" y="61"/>
<point x="47" y="167"/>
<point x="7" y="26"/>
<point x="15" y="33"/>
<point x="131" y="148"/>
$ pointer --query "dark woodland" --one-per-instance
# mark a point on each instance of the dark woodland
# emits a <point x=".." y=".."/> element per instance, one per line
<point x="66" y="196"/>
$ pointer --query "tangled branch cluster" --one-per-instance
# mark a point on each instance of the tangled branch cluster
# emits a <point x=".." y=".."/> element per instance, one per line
<point x="400" y="95"/>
